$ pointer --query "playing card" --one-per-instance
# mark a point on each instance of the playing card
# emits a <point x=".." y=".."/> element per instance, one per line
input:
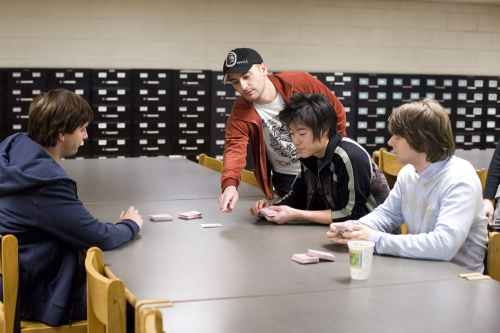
<point x="342" y="228"/>
<point x="305" y="258"/>
<point x="321" y="255"/>
<point x="160" y="217"/>
<point x="211" y="225"/>
<point x="190" y="215"/>
<point x="267" y="211"/>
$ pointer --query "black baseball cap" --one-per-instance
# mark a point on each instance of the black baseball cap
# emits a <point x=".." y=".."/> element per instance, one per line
<point x="240" y="61"/>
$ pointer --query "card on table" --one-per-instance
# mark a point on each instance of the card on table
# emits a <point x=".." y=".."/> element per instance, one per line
<point x="190" y="215"/>
<point x="160" y="217"/>
<point x="321" y="254"/>
<point x="211" y="225"/>
<point x="305" y="258"/>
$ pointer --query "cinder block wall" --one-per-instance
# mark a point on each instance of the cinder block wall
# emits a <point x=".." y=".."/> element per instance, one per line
<point x="311" y="35"/>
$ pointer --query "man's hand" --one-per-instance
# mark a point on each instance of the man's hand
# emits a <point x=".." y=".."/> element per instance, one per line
<point x="361" y="232"/>
<point x="258" y="205"/>
<point x="228" y="199"/>
<point x="285" y="214"/>
<point x="489" y="210"/>
<point x="132" y="214"/>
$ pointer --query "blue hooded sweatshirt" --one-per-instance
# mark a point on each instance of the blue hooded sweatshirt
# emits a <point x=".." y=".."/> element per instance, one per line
<point x="39" y="205"/>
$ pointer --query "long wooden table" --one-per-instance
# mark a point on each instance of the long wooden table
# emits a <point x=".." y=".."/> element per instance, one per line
<point x="240" y="277"/>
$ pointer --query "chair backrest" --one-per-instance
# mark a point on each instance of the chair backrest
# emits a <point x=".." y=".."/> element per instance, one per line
<point x="151" y="321"/>
<point x="493" y="259"/>
<point x="482" y="174"/>
<point x="9" y="268"/>
<point x="249" y="178"/>
<point x="214" y="164"/>
<point x="210" y="162"/>
<point x="389" y="165"/>
<point x="105" y="297"/>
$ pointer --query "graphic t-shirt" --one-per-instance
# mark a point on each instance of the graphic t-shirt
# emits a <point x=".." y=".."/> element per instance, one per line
<point x="279" y="147"/>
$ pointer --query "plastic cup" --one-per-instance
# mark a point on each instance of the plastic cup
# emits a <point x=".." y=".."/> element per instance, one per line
<point x="361" y="254"/>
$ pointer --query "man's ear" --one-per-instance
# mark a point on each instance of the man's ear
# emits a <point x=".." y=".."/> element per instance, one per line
<point x="62" y="137"/>
<point x="263" y="68"/>
<point x="324" y="132"/>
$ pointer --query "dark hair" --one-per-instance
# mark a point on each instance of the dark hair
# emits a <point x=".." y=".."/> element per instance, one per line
<point x="314" y="111"/>
<point x="56" y="111"/>
<point x="426" y="127"/>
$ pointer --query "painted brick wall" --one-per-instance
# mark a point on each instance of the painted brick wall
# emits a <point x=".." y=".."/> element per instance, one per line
<point x="311" y="35"/>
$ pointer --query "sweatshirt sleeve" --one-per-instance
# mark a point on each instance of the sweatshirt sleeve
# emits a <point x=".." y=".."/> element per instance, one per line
<point x="235" y="152"/>
<point x="61" y="214"/>
<point x="388" y="215"/>
<point x="493" y="179"/>
<point x="454" y="221"/>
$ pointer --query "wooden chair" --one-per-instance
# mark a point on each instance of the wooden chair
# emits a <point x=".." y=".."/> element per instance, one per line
<point x="390" y="167"/>
<point x="210" y="162"/>
<point x="151" y="321"/>
<point x="214" y="164"/>
<point x="106" y="304"/>
<point x="493" y="258"/>
<point x="9" y="268"/>
<point x="482" y="174"/>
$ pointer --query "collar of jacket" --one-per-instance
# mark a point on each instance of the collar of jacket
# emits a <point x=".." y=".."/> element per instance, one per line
<point x="311" y="163"/>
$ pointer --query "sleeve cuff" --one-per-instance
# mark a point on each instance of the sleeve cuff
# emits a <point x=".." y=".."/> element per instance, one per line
<point x="229" y="182"/>
<point x="375" y="236"/>
<point x="132" y="226"/>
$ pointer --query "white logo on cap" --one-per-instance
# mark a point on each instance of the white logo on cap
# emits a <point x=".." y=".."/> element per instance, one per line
<point x="231" y="59"/>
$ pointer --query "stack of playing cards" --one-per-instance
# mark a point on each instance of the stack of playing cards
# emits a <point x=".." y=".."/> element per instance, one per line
<point x="190" y="215"/>
<point x="312" y="257"/>
<point x="267" y="211"/>
<point x="160" y="217"/>
<point x="321" y="255"/>
<point x="305" y="258"/>
<point x="342" y="228"/>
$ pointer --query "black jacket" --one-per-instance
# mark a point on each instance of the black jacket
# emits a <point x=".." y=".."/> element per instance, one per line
<point x="348" y="182"/>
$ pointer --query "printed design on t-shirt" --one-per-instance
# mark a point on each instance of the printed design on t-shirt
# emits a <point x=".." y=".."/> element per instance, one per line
<point x="280" y="141"/>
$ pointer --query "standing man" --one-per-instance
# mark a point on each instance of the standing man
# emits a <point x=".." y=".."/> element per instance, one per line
<point x="39" y="205"/>
<point x="437" y="195"/>
<point x="338" y="181"/>
<point x="254" y="117"/>
<point x="491" y="187"/>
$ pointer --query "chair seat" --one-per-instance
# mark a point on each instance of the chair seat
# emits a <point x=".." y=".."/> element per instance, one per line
<point x="35" y="326"/>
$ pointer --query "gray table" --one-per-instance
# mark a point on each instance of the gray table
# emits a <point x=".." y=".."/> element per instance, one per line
<point x="146" y="179"/>
<point x="240" y="277"/>
<point x="436" y="306"/>
<point x="248" y="256"/>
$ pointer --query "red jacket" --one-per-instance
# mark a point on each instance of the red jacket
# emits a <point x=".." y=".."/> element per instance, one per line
<point x="245" y="123"/>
